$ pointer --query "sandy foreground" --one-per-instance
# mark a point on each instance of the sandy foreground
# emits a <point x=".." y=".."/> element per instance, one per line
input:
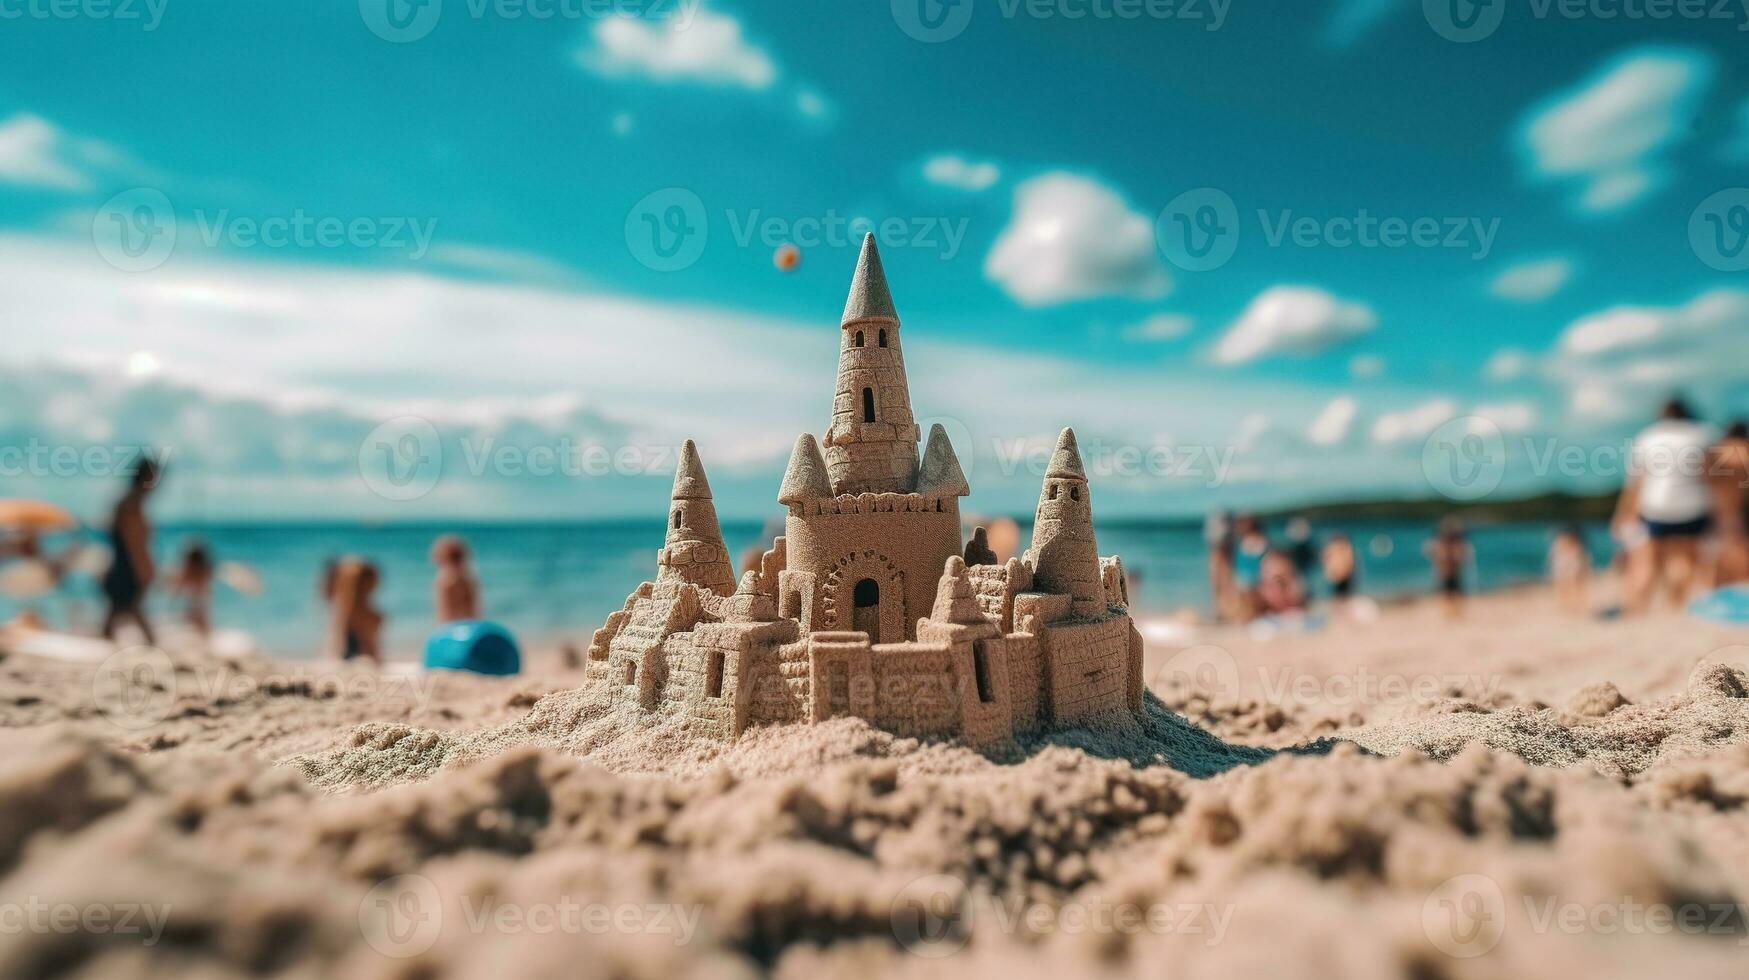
<point x="1518" y="794"/>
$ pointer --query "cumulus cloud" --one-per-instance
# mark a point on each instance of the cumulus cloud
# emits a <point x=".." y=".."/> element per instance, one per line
<point x="1621" y="361"/>
<point x="708" y="48"/>
<point x="36" y="153"/>
<point x="1161" y="327"/>
<point x="1507" y="364"/>
<point x="1332" y="425"/>
<point x="1413" y="423"/>
<point x="1292" y="320"/>
<point x="1610" y="135"/>
<point x="1365" y="367"/>
<point x="1071" y="238"/>
<point x="1508" y="417"/>
<point x="1532" y="282"/>
<point x="953" y="170"/>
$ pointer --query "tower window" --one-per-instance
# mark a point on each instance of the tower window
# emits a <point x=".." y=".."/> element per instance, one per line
<point x="1053" y="491"/>
<point x="857" y="341"/>
<point x="868" y="404"/>
<point x="677" y="520"/>
<point x="631" y="672"/>
<point x="883" y="337"/>
<point x="981" y="671"/>
<point x="1074" y="493"/>
<point x="713" y="683"/>
<point x="867" y="594"/>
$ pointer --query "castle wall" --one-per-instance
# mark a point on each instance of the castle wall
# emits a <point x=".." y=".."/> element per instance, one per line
<point x="1088" y="668"/>
<point x="899" y="540"/>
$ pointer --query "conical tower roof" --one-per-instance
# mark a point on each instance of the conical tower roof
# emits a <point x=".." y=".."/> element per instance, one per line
<point x="805" y="478"/>
<point x="869" y="298"/>
<point x="1066" y="461"/>
<point x="940" y="474"/>
<point x="689" y="481"/>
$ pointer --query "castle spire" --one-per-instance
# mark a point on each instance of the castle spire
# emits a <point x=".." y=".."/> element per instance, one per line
<point x="805" y="478"/>
<point x="871" y="445"/>
<point x="694" y="551"/>
<point x="1064" y="555"/>
<point x="940" y="474"/>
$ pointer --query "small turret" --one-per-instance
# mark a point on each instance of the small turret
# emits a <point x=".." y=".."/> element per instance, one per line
<point x="940" y="475"/>
<point x="805" y="478"/>
<point x="871" y="445"/>
<point x="1064" y="555"/>
<point x="694" y="551"/>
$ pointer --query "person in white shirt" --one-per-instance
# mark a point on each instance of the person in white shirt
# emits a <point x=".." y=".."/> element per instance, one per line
<point x="1670" y="496"/>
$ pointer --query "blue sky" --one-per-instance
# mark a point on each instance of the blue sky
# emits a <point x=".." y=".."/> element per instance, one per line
<point x="1538" y="226"/>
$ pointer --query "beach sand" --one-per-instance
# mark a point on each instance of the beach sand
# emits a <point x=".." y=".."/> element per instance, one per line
<point x="1515" y="794"/>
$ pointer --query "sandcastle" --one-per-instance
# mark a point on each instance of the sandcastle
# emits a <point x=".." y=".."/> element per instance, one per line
<point x="865" y="606"/>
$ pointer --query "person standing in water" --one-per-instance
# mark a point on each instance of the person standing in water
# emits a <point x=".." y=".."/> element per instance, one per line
<point x="194" y="582"/>
<point x="1570" y="568"/>
<point x="355" y="626"/>
<point x="1668" y="492"/>
<point x="1730" y="471"/>
<point x="1339" y="567"/>
<point x="1449" y="552"/>
<point x="456" y="590"/>
<point x="130" y="540"/>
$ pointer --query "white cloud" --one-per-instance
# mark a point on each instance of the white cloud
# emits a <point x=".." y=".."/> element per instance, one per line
<point x="952" y="170"/>
<point x="1532" y="282"/>
<point x="1508" y="417"/>
<point x="1507" y="364"/>
<point x="1610" y="133"/>
<point x="1073" y="238"/>
<point x="1413" y="423"/>
<point x="1621" y="361"/>
<point x="1332" y="425"/>
<point x="1161" y="326"/>
<point x="501" y="262"/>
<point x="709" y="48"/>
<point x="1366" y="366"/>
<point x="37" y="153"/>
<point x="1292" y="320"/>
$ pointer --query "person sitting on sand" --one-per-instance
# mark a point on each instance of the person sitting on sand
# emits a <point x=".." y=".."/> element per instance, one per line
<point x="194" y="582"/>
<point x="1668" y="492"/>
<point x="1569" y="568"/>
<point x="1340" y="567"/>
<point x="1251" y="544"/>
<point x="1449" y="552"/>
<point x="130" y="569"/>
<point x="355" y="625"/>
<point x="456" y="590"/>
<point x="1280" y="590"/>
<point x="1730" y="470"/>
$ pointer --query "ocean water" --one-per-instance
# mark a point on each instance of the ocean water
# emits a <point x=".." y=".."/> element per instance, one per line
<point x="546" y="581"/>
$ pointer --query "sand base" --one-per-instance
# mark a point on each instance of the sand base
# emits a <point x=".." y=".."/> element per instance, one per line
<point x="1517" y="794"/>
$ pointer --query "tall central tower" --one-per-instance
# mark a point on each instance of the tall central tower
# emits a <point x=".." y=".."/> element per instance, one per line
<point x="871" y="446"/>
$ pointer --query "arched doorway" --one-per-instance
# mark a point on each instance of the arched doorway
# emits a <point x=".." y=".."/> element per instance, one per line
<point x="866" y="608"/>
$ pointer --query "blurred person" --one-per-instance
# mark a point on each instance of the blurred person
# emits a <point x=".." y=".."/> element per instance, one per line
<point x="1570" y="568"/>
<point x="131" y="570"/>
<point x="1339" y="566"/>
<point x="355" y="625"/>
<point x="456" y="589"/>
<point x="1668" y="492"/>
<point x="1217" y="534"/>
<point x="1450" y="553"/>
<point x="1300" y="549"/>
<point x="1280" y="589"/>
<point x="978" y="550"/>
<point x="193" y="580"/>
<point x="1730" y="472"/>
<point x="1250" y="547"/>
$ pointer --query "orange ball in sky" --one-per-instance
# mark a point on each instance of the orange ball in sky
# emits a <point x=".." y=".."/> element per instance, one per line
<point x="786" y="258"/>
